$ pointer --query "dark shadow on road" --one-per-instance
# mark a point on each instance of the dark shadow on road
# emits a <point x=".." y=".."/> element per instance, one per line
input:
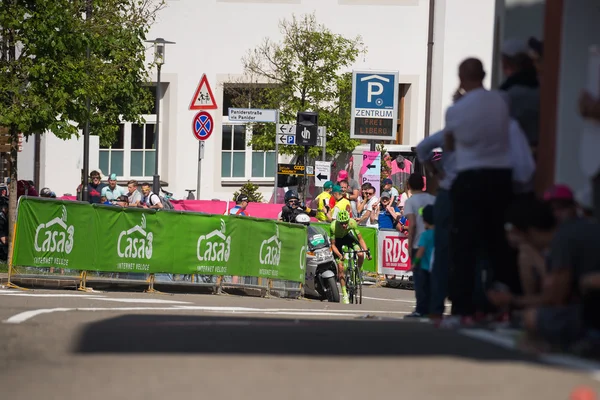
<point x="266" y="336"/>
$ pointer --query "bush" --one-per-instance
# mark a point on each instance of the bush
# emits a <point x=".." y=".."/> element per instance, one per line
<point x="250" y="190"/>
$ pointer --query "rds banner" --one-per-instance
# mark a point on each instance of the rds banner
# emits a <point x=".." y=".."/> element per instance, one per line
<point x="80" y="236"/>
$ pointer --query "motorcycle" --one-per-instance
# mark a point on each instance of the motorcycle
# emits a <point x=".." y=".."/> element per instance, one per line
<point x="321" y="268"/>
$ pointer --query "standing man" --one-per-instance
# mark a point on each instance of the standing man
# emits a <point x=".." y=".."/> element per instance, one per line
<point x="113" y="191"/>
<point x="241" y="202"/>
<point x="95" y="187"/>
<point x="134" y="196"/>
<point x="413" y="209"/>
<point x="477" y="129"/>
<point x="352" y="189"/>
<point x="322" y="201"/>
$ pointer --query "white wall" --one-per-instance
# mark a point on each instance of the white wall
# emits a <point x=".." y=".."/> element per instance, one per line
<point x="212" y="36"/>
<point x="580" y="30"/>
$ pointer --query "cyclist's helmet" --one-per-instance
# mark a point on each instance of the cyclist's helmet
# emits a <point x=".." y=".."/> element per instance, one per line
<point x="291" y="194"/>
<point x="343" y="216"/>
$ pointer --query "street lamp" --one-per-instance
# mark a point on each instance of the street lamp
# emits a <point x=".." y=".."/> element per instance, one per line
<point x="159" y="60"/>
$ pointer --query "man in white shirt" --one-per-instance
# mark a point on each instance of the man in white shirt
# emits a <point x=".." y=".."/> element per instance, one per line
<point x="477" y="129"/>
<point x="366" y="205"/>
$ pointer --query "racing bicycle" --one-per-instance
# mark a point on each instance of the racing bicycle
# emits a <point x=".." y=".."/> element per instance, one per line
<point x="353" y="275"/>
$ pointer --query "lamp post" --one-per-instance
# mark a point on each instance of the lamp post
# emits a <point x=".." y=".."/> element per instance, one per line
<point x="159" y="60"/>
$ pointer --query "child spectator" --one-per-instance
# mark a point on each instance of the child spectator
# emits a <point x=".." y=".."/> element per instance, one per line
<point x="421" y="265"/>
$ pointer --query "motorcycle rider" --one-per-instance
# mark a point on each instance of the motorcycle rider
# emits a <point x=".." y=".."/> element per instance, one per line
<point x="293" y="207"/>
<point x="344" y="232"/>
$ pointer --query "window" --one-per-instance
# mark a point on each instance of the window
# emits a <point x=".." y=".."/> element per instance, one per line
<point x="132" y="155"/>
<point x="237" y="158"/>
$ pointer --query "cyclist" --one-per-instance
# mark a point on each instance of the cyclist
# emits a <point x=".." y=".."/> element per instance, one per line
<point x="293" y="207"/>
<point x="344" y="232"/>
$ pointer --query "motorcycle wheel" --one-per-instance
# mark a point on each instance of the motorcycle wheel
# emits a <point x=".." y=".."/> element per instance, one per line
<point x="333" y="293"/>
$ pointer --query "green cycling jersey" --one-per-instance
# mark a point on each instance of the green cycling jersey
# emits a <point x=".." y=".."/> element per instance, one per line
<point x="338" y="231"/>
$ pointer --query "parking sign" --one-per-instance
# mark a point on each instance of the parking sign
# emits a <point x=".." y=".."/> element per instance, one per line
<point x="374" y="105"/>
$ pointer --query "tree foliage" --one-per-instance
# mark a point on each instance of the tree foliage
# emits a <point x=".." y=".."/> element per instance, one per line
<point x="46" y="75"/>
<point x="250" y="190"/>
<point x="302" y="72"/>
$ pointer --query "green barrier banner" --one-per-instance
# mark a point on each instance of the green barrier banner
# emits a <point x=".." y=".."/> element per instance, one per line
<point x="113" y="239"/>
<point x="370" y="237"/>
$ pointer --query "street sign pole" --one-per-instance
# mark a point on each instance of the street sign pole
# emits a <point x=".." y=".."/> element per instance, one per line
<point x="305" y="175"/>
<point x="200" y="157"/>
<point x="276" y="161"/>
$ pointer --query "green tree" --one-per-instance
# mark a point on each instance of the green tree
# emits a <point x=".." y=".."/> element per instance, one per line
<point x="303" y="72"/>
<point x="47" y="75"/>
<point x="250" y="190"/>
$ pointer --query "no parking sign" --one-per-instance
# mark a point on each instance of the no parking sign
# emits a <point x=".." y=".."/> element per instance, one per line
<point x="202" y="125"/>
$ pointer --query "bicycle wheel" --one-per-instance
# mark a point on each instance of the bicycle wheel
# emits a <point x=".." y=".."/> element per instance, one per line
<point x="350" y="280"/>
<point x="358" y="285"/>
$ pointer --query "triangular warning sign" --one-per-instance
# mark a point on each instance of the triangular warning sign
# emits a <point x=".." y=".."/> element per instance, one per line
<point x="203" y="97"/>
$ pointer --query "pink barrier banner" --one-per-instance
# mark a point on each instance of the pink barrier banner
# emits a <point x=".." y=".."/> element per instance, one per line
<point x="257" y="210"/>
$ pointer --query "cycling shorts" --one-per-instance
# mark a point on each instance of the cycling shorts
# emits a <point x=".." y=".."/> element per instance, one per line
<point x="349" y="241"/>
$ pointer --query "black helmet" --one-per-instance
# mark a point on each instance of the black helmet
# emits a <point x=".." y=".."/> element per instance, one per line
<point x="45" y="192"/>
<point x="291" y="194"/>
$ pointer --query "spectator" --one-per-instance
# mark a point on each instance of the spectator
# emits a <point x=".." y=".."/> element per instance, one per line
<point x="105" y="201"/>
<point x="352" y="189"/>
<point x="3" y="228"/>
<point x="589" y="108"/>
<point x="150" y="199"/>
<point x="46" y="192"/>
<point x="413" y="210"/>
<point x="341" y="202"/>
<point x="366" y="206"/>
<point x="422" y="265"/>
<point x="536" y="53"/>
<point x="477" y="130"/>
<point x="241" y="202"/>
<point x="554" y="315"/>
<point x="522" y="87"/>
<point x="388" y="186"/>
<point x="445" y="169"/>
<point x="95" y="187"/>
<point x="26" y="188"/>
<point x="405" y="194"/>
<point x="322" y="201"/>
<point x="388" y="215"/>
<point x="122" y="201"/>
<point x="113" y="191"/>
<point x="561" y="200"/>
<point x="134" y="196"/>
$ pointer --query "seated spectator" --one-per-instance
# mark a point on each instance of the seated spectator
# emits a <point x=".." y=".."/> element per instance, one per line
<point x="562" y="201"/>
<point x="122" y="201"/>
<point x="388" y="186"/>
<point x="45" y="192"/>
<point x="553" y="316"/>
<point x="105" y="201"/>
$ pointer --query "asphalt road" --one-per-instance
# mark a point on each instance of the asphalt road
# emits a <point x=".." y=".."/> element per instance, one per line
<point x="69" y="345"/>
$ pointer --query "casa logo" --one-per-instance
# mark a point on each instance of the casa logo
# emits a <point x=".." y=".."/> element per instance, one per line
<point x="303" y="250"/>
<point x="270" y="250"/>
<point x="55" y="236"/>
<point x="135" y="242"/>
<point x="215" y="246"/>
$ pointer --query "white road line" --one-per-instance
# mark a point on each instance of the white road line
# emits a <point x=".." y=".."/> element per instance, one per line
<point x="7" y="293"/>
<point x="395" y="300"/>
<point x="146" y="301"/>
<point x="563" y="360"/>
<point x="27" y="315"/>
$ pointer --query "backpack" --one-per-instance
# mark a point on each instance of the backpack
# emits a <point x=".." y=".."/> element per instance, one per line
<point x="167" y="205"/>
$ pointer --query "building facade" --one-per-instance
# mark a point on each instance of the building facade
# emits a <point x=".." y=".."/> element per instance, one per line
<point x="211" y="38"/>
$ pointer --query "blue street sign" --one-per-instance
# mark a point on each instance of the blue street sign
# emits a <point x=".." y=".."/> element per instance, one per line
<point x="374" y="105"/>
<point x="291" y="139"/>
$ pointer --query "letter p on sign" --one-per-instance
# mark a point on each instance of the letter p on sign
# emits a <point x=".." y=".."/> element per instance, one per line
<point x="373" y="89"/>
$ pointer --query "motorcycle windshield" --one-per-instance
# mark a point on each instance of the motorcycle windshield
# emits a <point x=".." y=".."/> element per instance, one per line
<point x="317" y="238"/>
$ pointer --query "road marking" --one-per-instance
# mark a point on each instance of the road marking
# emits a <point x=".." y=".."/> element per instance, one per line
<point x="27" y="315"/>
<point x="396" y="300"/>
<point x="147" y="301"/>
<point x="563" y="360"/>
<point x="7" y="293"/>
